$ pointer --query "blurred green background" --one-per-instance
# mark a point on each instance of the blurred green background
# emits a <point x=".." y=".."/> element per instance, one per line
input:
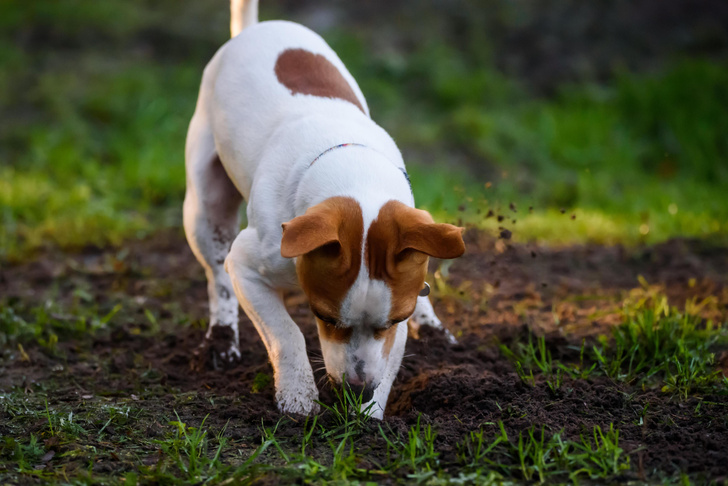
<point x="609" y="119"/>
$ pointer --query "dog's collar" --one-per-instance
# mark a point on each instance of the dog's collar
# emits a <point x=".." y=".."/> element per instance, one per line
<point x="352" y="144"/>
<point x="342" y="145"/>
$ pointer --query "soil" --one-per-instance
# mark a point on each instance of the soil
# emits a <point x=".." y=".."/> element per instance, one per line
<point x="497" y="293"/>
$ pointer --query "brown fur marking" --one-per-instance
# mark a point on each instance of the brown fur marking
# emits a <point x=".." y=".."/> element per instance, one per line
<point x="328" y="241"/>
<point x="304" y="72"/>
<point x="334" y="334"/>
<point x="399" y="244"/>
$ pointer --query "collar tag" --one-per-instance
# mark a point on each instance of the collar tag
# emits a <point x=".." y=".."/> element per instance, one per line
<point x="425" y="290"/>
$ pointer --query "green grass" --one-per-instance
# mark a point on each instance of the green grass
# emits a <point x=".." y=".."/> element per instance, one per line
<point x="46" y="324"/>
<point x="655" y="345"/>
<point x="659" y="342"/>
<point x="538" y="456"/>
<point x="342" y="445"/>
<point x="95" y="155"/>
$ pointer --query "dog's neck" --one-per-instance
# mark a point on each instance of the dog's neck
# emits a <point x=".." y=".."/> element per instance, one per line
<point x="356" y="171"/>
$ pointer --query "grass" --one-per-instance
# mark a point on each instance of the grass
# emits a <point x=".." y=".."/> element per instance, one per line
<point x="58" y="440"/>
<point x="655" y="345"/>
<point x="189" y="448"/>
<point x="96" y="156"/>
<point x="348" y="413"/>
<point x="46" y="324"/>
<point x="659" y="342"/>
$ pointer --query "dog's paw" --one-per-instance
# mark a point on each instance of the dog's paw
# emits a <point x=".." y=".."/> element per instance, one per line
<point x="217" y="351"/>
<point x="299" y="398"/>
<point x="425" y="316"/>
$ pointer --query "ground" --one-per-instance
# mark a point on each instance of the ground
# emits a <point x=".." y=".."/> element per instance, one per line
<point x="126" y="377"/>
<point x="583" y="145"/>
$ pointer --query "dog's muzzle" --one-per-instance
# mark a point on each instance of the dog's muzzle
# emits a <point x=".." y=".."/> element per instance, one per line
<point x="365" y="390"/>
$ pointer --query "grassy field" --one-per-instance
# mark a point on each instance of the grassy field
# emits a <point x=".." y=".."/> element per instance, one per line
<point x="94" y="154"/>
<point x="577" y="362"/>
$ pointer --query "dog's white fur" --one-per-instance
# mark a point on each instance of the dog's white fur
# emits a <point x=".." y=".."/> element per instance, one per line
<point x="266" y="138"/>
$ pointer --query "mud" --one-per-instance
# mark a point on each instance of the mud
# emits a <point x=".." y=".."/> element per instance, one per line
<point x="497" y="293"/>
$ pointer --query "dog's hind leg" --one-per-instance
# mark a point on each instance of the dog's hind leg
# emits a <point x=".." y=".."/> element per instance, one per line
<point x="211" y="223"/>
<point x="425" y="316"/>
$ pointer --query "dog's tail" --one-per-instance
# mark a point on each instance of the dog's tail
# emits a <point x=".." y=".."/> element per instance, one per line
<point x="243" y="13"/>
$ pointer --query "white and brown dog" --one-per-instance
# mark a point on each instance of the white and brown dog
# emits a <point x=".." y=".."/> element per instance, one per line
<point x="281" y="123"/>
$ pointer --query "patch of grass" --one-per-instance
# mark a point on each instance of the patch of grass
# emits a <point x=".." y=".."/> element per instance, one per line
<point x="46" y="324"/>
<point x="655" y="345"/>
<point x="527" y="358"/>
<point x="190" y="450"/>
<point x="348" y="412"/>
<point x="535" y="456"/>
<point x="416" y="454"/>
<point x="659" y="342"/>
<point x="341" y="464"/>
<point x="260" y="382"/>
<point x="25" y="456"/>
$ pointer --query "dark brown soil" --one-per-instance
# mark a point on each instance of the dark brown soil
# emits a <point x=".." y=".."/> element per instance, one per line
<point x="495" y="293"/>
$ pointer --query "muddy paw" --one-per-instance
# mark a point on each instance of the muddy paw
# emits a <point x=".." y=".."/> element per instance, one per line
<point x="299" y="399"/>
<point x="217" y="351"/>
<point x="431" y="320"/>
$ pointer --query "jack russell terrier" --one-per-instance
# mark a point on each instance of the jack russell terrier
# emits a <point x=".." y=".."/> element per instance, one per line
<point x="281" y="123"/>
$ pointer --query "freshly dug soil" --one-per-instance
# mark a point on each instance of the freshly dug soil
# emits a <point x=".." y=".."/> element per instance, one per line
<point x="497" y="293"/>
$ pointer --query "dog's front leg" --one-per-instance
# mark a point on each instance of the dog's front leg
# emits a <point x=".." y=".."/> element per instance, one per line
<point x="296" y="390"/>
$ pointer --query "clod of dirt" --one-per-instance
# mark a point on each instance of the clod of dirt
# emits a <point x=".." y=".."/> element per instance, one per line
<point x="506" y="234"/>
<point x="513" y="207"/>
<point x="490" y="214"/>
<point x="501" y="218"/>
<point x="461" y="208"/>
<point x="562" y="210"/>
<point x="573" y="216"/>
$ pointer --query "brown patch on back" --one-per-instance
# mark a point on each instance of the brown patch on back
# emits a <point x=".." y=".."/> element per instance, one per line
<point x="304" y="72"/>
<point x="399" y="244"/>
<point x="328" y="241"/>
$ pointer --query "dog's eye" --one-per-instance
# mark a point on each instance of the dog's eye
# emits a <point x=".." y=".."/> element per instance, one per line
<point x="328" y="320"/>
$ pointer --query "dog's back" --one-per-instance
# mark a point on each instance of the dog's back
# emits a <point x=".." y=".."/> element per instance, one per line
<point x="278" y="80"/>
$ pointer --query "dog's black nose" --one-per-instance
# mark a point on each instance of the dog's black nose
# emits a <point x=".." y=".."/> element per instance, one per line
<point x="366" y="392"/>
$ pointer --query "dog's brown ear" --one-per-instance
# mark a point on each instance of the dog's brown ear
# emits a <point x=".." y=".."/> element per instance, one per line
<point x="439" y="240"/>
<point x="323" y="224"/>
<point x="414" y="229"/>
<point x="306" y="233"/>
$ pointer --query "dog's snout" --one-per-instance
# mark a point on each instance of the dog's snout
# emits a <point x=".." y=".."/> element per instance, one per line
<point x="365" y="391"/>
<point x="359" y="369"/>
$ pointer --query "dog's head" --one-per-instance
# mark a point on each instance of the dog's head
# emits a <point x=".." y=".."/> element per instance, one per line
<point x="363" y="282"/>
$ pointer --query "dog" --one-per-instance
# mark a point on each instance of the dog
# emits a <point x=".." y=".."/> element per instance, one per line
<point x="281" y="124"/>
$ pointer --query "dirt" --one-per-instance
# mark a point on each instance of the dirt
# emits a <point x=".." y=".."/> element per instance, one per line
<point x="497" y="293"/>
